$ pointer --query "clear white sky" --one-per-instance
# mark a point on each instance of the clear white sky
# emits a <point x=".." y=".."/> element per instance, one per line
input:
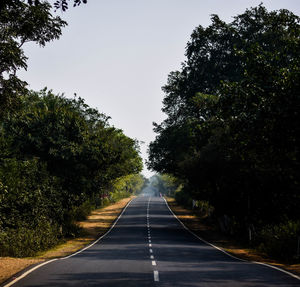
<point x="116" y="54"/>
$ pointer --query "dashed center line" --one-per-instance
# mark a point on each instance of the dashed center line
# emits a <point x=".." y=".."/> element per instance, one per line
<point x="156" y="277"/>
<point x="155" y="272"/>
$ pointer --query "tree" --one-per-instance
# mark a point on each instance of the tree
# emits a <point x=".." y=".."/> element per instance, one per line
<point x="58" y="157"/>
<point x="64" y="5"/>
<point x="231" y="132"/>
<point x="74" y="140"/>
<point x="59" y="4"/>
<point x="21" y="23"/>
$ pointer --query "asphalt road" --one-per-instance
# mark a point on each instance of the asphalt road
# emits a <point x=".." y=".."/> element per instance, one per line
<point x="149" y="247"/>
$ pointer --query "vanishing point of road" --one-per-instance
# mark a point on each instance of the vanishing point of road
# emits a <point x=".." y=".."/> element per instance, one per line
<point x="148" y="246"/>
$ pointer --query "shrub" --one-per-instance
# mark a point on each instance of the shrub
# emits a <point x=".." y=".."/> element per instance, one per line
<point x="83" y="211"/>
<point x="25" y="241"/>
<point x="116" y="196"/>
<point x="280" y="241"/>
<point x="183" y="198"/>
<point x="105" y="201"/>
<point x="204" y="207"/>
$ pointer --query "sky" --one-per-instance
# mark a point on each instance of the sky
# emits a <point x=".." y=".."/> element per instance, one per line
<point x="117" y="54"/>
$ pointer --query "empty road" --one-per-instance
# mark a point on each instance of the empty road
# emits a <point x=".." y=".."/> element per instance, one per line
<point x="149" y="247"/>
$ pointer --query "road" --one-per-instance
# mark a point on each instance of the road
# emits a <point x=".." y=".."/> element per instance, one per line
<point x="149" y="247"/>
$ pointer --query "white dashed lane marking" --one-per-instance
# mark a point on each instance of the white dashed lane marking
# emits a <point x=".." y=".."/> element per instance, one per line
<point x="155" y="272"/>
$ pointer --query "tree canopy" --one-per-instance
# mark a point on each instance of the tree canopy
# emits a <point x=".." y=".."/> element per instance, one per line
<point x="56" y="155"/>
<point x="21" y="23"/>
<point x="58" y="4"/>
<point x="59" y="158"/>
<point x="231" y="132"/>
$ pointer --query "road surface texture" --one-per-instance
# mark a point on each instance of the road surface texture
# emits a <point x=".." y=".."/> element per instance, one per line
<point x="149" y="247"/>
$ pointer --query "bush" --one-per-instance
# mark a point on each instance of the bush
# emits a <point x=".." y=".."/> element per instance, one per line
<point x="83" y="211"/>
<point x="183" y="198"/>
<point x="24" y="241"/>
<point x="204" y="207"/>
<point x="105" y="201"/>
<point x="280" y="241"/>
<point x="30" y="208"/>
<point x="116" y="196"/>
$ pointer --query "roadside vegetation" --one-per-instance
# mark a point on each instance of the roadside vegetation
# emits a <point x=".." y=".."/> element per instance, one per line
<point x="59" y="158"/>
<point x="207" y="228"/>
<point x="231" y="136"/>
<point x="96" y="224"/>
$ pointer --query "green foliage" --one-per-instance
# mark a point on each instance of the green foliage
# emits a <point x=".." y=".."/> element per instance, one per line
<point x="118" y="195"/>
<point x="21" y="23"/>
<point x="105" y="201"/>
<point x="26" y="241"/>
<point x="30" y="209"/>
<point x="59" y="156"/>
<point x="64" y="4"/>
<point x="81" y="212"/>
<point x="27" y="194"/>
<point x="125" y="186"/>
<point x="281" y="241"/>
<point x="231" y="133"/>
<point x="166" y="184"/>
<point x="204" y="208"/>
<point x="184" y="199"/>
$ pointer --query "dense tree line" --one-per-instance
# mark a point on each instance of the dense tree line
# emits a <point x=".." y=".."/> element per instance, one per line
<point x="232" y="128"/>
<point x="59" y="158"/>
<point x="57" y="154"/>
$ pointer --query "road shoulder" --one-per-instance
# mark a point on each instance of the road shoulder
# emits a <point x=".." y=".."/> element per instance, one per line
<point x="210" y="234"/>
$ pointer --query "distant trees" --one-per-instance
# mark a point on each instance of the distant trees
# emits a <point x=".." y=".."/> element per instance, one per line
<point x="232" y="132"/>
<point x="165" y="184"/>
<point x="126" y="185"/>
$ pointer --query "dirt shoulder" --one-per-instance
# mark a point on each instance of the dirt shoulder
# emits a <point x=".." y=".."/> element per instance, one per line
<point x="210" y="234"/>
<point x="96" y="225"/>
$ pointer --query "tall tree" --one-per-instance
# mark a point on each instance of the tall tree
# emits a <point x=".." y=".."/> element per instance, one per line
<point x="231" y="129"/>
